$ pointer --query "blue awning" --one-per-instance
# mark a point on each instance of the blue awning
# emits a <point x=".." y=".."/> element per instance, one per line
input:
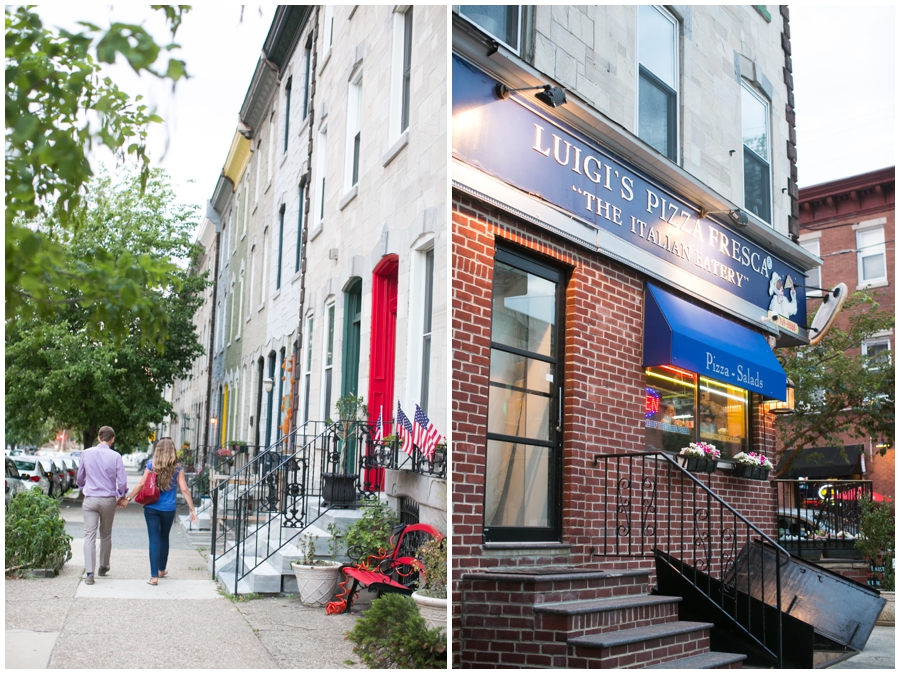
<point x="679" y="333"/>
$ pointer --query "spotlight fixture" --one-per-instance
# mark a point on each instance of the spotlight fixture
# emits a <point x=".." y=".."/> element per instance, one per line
<point x="737" y="216"/>
<point x="268" y="383"/>
<point x="549" y="95"/>
<point x="782" y="407"/>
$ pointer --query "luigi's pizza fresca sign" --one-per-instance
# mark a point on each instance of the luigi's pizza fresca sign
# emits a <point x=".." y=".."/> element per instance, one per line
<point x="541" y="156"/>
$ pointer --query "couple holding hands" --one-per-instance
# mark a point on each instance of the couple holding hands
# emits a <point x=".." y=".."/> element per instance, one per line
<point x="104" y="485"/>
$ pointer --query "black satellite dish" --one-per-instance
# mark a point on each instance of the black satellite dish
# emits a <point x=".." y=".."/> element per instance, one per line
<point x="828" y="313"/>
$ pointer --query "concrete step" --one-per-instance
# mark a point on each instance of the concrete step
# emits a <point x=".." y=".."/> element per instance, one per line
<point x="572" y="619"/>
<point x="640" y="646"/>
<point x="711" y="660"/>
<point x="263" y="579"/>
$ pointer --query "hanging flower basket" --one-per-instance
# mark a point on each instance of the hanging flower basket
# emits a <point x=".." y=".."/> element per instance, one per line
<point x="749" y="472"/>
<point x="694" y="465"/>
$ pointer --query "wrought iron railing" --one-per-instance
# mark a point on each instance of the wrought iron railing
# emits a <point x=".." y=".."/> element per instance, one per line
<point x="280" y="491"/>
<point x="820" y="518"/>
<point x="650" y="503"/>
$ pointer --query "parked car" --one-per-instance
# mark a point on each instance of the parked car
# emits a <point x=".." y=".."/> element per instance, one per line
<point x="54" y="473"/>
<point x="15" y="483"/>
<point x="32" y="470"/>
<point x="71" y="468"/>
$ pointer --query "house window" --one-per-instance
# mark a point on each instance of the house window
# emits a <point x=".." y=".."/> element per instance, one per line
<point x="306" y="78"/>
<point x="302" y="203"/>
<point x="407" y="69"/>
<point x="813" y="276"/>
<point x="658" y="80"/>
<point x="426" y="327"/>
<point x="354" y="124"/>
<point x="307" y="367"/>
<point x="328" y="370"/>
<point x="524" y="443"/>
<point x="757" y="173"/>
<point x="681" y="407"/>
<point x="280" y="247"/>
<point x="282" y="375"/>
<point x="328" y="26"/>
<point x="287" y="112"/>
<point x="502" y="22"/>
<point x="877" y="351"/>
<point x="245" y="205"/>
<point x="321" y="165"/>
<point x="870" y="256"/>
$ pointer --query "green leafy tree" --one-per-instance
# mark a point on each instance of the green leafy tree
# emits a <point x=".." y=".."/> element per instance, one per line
<point x="839" y="392"/>
<point x="58" y="369"/>
<point x="58" y="107"/>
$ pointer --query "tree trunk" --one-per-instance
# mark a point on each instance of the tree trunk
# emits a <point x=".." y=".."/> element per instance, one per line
<point x="88" y="435"/>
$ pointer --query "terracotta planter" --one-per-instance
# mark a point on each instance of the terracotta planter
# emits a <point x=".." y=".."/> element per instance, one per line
<point x="339" y="489"/>
<point x="316" y="584"/>
<point x="749" y="472"/>
<point x="886" y="617"/>
<point x="697" y="465"/>
<point x="433" y="609"/>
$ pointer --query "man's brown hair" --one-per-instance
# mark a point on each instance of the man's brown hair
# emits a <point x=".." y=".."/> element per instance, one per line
<point x="106" y="434"/>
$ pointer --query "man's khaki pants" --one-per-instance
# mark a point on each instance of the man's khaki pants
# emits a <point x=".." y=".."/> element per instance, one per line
<point x="98" y="512"/>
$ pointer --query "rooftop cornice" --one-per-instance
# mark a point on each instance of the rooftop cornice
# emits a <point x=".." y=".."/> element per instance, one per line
<point x="834" y="188"/>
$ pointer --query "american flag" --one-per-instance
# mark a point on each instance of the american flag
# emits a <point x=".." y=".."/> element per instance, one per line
<point x="379" y="428"/>
<point x="427" y="436"/>
<point x="405" y="431"/>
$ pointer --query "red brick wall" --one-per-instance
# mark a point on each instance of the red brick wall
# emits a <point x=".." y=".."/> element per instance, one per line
<point x="604" y="389"/>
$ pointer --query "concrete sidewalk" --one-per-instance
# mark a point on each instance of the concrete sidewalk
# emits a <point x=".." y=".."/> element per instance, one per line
<point x="121" y="621"/>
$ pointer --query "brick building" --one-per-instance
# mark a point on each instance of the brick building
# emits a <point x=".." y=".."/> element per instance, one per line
<point x="624" y="223"/>
<point x="849" y="223"/>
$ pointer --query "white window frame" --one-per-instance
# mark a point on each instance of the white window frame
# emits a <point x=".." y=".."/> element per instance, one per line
<point x="288" y="88"/>
<point x="328" y="27"/>
<point x="401" y="15"/>
<point x="354" y="126"/>
<point x="263" y="290"/>
<point x="328" y="326"/>
<point x="870" y="250"/>
<point x="767" y="111"/>
<point x="420" y="248"/>
<point x="306" y="365"/>
<point x="515" y="50"/>
<point x="877" y="339"/>
<point x="810" y="243"/>
<point x="676" y="76"/>
<point x="240" y="312"/>
<point x="307" y="76"/>
<point x="321" y="182"/>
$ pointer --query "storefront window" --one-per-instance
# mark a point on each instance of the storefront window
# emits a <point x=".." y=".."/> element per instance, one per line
<point x="681" y="408"/>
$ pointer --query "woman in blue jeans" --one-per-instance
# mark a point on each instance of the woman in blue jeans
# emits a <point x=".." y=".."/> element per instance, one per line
<point x="160" y="515"/>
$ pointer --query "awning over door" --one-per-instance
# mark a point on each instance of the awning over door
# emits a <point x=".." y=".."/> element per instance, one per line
<point x="682" y="334"/>
<point x="821" y="462"/>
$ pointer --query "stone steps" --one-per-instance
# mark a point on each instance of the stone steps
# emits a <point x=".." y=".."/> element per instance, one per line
<point x="640" y="646"/>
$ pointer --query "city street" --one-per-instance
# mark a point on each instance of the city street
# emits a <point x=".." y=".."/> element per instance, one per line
<point x="184" y="622"/>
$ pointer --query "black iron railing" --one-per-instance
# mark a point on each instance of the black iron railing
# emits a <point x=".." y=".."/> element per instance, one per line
<point x="820" y="518"/>
<point x="650" y="503"/>
<point x="278" y="492"/>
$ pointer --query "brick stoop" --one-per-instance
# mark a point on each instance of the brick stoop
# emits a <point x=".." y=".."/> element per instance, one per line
<point x="578" y="617"/>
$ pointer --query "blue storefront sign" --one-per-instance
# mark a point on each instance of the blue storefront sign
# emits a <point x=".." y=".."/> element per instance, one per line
<point x="521" y="145"/>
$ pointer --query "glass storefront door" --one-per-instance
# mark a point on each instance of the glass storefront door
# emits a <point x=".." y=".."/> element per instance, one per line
<point x="522" y="491"/>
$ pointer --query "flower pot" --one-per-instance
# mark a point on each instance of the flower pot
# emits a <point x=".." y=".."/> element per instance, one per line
<point x="695" y="464"/>
<point x="749" y="472"/>
<point x="317" y="583"/>
<point x="886" y="617"/>
<point x="339" y="489"/>
<point x="433" y="609"/>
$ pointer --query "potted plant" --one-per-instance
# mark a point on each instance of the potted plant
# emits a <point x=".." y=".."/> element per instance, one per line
<point x="432" y="597"/>
<point x="317" y="578"/>
<point x="876" y="541"/>
<point x="700" y="457"/>
<point x="237" y="446"/>
<point x="339" y="487"/>
<point x="752" y="466"/>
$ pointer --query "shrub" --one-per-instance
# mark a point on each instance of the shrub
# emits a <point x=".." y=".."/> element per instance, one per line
<point x="35" y="533"/>
<point x="392" y="635"/>
<point x="434" y="558"/>
<point x="371" y="533"/>
<point x="877" y="539"/>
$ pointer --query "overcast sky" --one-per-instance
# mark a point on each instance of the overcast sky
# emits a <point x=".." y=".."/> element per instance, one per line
<point x="843" y="62"/>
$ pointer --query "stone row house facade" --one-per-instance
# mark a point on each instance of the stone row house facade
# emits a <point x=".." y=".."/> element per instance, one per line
<point x="327" y="238"/>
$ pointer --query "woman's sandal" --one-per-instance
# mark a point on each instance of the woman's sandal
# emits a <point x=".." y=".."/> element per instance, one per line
<point x="153" y="581"/>
<point x="163" y="574"/>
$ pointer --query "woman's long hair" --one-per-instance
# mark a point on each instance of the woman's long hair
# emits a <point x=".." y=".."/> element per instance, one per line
<point x="164" y="463"/>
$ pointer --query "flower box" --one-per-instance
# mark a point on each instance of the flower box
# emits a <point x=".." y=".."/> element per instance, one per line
<point x="696" y="465"/>
<point x="749" y="472"/>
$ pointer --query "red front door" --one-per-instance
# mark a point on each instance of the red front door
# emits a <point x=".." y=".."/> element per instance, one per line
<point x="382" y="352"/>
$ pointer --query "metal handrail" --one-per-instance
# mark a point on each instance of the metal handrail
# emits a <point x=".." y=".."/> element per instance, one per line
<point x="636" y="529"/>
